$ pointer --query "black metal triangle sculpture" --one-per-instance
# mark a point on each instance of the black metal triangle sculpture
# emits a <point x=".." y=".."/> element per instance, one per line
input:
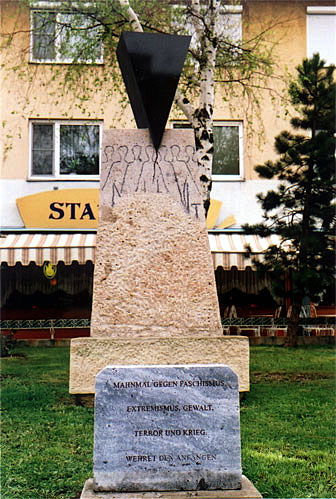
<point x="151" y="65"/>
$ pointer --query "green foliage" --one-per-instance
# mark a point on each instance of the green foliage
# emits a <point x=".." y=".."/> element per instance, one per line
<point x="302" y="209"/>
<point x="7" y="344"/>
<point x="74" y="33"/>
<point x="287" y="425"/>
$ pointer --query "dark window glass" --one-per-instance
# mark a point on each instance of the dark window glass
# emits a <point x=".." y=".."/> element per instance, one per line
<point x="65" y="37"/>
<point x="79" y="149"/>
<point x="43" y="149"/>
<point x="79" y="38"/>
<point x="182" y="125"/>
<point x="226" y="150"/>
<point x="44" y="31"/>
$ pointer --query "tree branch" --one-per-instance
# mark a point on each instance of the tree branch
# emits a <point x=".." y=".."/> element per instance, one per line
<point x="133" y="18"/>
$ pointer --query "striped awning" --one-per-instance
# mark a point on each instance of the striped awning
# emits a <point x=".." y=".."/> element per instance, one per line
<point x="227" y="249"/>
<point x="53" y="248"/>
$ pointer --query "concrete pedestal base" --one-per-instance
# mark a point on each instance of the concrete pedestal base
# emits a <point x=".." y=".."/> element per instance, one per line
<point x="248" y="491"/>
<point x="88" y="356"/>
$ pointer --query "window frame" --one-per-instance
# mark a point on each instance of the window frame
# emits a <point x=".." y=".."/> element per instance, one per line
<point x="236" y="10"/>
<point x="56" y="175"/>
<point x="52" y="8"/>
<point x="312" y="11"/>
<point x="221" y="123"/>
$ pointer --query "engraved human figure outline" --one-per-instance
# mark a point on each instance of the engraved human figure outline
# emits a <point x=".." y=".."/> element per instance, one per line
<point x="154" y="172"/>
<point x="142" y="169"/>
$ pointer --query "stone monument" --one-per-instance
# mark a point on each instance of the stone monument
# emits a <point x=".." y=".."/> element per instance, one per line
<point x="154" y="298"/>
<point x="167" y="409"/>
<point x="167" y="428"/>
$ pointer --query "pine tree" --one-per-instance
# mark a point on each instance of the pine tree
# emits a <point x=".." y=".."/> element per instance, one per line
<point x="301" y="210"/>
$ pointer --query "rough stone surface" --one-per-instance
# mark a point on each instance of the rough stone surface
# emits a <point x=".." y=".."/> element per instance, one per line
<point x="167" y="428"/>
<point x="248" y="491"/>
<point x="153" y="269"/>
<point x="131" y="166"/>
<point x="91" y="355"/>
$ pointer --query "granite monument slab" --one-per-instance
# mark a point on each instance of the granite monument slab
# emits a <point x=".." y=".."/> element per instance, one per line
<point x="162" y="428"/>
<point x="154" y="295"/>
<point x="154" y="280"/>
<point x="153" y="271"/>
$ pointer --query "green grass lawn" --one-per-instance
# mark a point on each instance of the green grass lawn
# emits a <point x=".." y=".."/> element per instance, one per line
<point x="287" y="425"/>
<point x="288" y="422"/>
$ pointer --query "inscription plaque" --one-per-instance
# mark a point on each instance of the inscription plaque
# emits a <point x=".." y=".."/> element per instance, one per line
<point x="167" y="428"/>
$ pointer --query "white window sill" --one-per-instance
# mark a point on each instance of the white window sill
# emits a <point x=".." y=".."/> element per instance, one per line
<point x="227" y="178"/>
<point x="72" y="178"/>
<point x="50" y="61"/>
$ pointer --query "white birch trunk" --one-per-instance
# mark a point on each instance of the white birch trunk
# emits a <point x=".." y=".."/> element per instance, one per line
<point x="203" y="115"/>
<point x="132" y="16"/>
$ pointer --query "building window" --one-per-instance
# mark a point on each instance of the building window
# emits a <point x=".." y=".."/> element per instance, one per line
<point x="230" y="27"/>
<point x="321" y="33"/>
<point x="228" y="151"/>
<point x="227" y="161"/>
<point x="64" y="37"/>
<point x="65" y="150"/>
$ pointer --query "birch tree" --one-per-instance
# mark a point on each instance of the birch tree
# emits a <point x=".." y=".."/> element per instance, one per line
<point x="204" y="26"/>
<point x="215" y="59"/>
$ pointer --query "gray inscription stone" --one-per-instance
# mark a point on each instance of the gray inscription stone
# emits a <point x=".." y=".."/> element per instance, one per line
<point x="161" y="428"/>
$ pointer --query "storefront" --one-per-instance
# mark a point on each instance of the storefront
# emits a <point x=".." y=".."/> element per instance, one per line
<point x="46" y="278"/>
<point x="47" y="274"/>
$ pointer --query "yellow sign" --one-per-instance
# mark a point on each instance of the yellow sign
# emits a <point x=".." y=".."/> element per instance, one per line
<point x="213" y="214"/>
<point x="49" y="270"/>
<point x="60" y="209"/>
<point x="78" y="208"/>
